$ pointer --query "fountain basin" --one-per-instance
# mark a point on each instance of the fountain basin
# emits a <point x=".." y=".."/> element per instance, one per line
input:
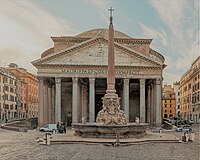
<point x="95" y="130"/>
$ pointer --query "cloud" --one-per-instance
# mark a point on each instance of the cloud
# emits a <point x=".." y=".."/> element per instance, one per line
<point x="172" y="14"/>
<point x="102" y="7"/>
<point x="182" y="18"/>
<point x="25" y="31"/>
<point x="155" y="34"/>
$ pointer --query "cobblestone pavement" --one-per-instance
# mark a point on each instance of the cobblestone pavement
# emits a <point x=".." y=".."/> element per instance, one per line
<point x="20" y="146"/>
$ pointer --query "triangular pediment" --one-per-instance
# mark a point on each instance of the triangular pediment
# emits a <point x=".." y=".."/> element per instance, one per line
<point x="95" y="52"/>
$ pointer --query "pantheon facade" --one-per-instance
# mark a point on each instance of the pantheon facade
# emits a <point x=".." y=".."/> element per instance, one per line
<point x="72" y="78"/>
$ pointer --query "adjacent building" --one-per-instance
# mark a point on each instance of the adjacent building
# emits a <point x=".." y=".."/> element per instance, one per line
<point x="168" y="102"/>
<point x="8" y="96"/>
<point x="190" y="92"/>
<point x="177" y="95"/>
<point x="72" y="78"/>
<point x="29" y="91"/>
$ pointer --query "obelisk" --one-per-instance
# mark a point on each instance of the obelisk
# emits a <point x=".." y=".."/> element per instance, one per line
<point x="111" y="58"/>
<point x="111" y="113"/>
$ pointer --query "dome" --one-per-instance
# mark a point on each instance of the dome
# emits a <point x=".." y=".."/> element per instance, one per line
<point x="101" y="32"/>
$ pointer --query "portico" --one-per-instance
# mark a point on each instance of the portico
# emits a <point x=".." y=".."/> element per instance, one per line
<point x="72" y="78"/>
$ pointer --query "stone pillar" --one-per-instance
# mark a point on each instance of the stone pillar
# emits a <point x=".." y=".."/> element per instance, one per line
<point x="84" y="104"/>
<point x="148" y="104"/>
<point x="92" y="100"/>
<point x="41" y="100"/>
<point x="158" y="102"/>
<point x="75" y="100"/>
<point x="58" y="100"/>
<point x="142" y="101"/>
<point x="45" y="103"/>
<point x="53" y="104"/>
<point x="126" y="98"/>
<point x="152" y="122"/>
<point x="49" y="93"/>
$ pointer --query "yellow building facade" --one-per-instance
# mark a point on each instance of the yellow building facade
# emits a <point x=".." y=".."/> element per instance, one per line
<point x="168" y="102"/>
<point x="190" y="93"/>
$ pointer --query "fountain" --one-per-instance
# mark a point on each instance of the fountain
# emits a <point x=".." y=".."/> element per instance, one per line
<point x="110" y="120"/>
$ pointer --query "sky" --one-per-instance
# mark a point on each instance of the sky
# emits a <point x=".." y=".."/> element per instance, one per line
<point x="26" y="27"/>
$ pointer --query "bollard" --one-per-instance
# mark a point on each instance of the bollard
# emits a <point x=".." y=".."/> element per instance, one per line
<point x="192" y="136"/>
<point x="117" y="139"/>
<point x="48" y="138"/>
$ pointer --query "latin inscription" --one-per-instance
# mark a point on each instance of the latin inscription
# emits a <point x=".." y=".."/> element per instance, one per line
<point x="95" y="72"/>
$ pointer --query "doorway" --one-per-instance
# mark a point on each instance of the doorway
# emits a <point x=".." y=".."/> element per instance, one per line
<point x="98" y="104"/>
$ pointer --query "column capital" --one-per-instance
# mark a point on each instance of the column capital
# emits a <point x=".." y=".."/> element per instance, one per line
<point x="142" y="81"/>
<point x="40" y="78"/>
<point x="57" y="80"/>
<point x="92" y="80"/>
<point x="75" y="80"/>
<point x="126" y="81"/>
<point x="158" y="81"/>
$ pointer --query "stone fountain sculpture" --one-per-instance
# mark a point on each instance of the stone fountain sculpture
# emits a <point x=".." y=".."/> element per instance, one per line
<point x="111" y="113"/>
<point x="110" y="120"/>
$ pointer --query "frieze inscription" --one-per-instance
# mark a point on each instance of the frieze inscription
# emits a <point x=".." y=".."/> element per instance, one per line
<point x="95" y="72"/>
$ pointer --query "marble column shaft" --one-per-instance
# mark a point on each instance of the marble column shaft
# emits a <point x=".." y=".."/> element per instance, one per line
<point x="92" y="100"/>
<point x="58" y="100"/>
<point x="45" y="103"/>
<point x="126" y="98"/>
<point x="53" y="104"/>
<point x="49" y="103"/>
<point x="142" y="100"/>
<point x="75" y="100"/>
<point x="41" y="100"/>
<point x="158" y="102"/>
<point x="84" y="101"/>
<point x="152" y="104"/>
<point x="148" y="105"/>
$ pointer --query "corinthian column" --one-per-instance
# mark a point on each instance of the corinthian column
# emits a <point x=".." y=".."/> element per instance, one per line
<point x="142" y="100"/>
<point x="41" y="101"/>
<point x="58" y="100"/>
<point x="126" y="98"/>
<point x="75" y="100"/>
<point x="92" y="100"/>
<point x="158" y="102"/>
<point x="148" y="104"/>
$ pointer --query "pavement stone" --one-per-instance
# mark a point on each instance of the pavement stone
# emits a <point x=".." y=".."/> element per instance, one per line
<point x="23" y="146"/>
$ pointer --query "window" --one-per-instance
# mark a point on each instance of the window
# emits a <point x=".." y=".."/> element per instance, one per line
<point x="6" y="88"/>
<point x="6" y="106"/>
<point x="165" y="105"/>
<point x="178" y="107"/>
<point x="178" y="93"/>
<point x="11" y="89"/>
<point x="6" y="97"/>
<point x="170" y="106"/>
<point x="165" y="111"/>
<point x="170" y="111"/>
<point x="12" y="98"/>
<point x="5" y="80"/>
<point x="11" y="106"/>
